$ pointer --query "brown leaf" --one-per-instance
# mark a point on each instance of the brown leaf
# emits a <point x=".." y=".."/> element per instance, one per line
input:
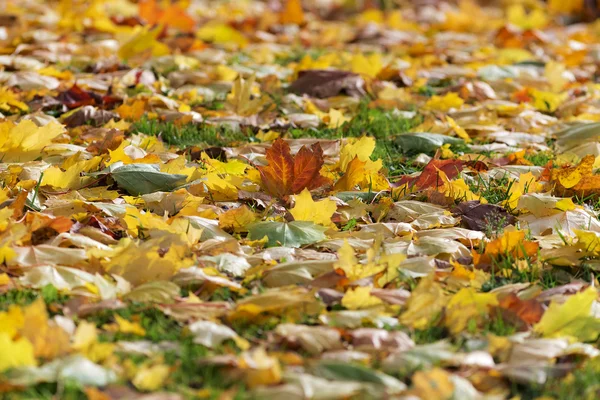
<point x="326" y="83"/>
<point x="530" y="311"/>
<point x="478" y="217"/>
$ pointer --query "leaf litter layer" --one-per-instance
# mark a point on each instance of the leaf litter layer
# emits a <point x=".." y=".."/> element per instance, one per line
<point x="329" y="200"/>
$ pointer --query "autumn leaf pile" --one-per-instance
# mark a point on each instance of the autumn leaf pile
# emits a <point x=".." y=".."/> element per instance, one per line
<point x="299" y="199"/>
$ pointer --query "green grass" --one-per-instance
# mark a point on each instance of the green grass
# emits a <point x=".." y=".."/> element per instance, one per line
<point x="158" y="326"/>
<point x="48" y="391"/>
<point x="202" y="135"/>
<point x="494" y="191"/>
<point x="381" y="125"/>
<point x="24" y="297"/>
<point x="540" y="159"/>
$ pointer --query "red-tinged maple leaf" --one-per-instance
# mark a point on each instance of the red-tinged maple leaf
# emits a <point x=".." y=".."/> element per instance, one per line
<point x="530" y="311"/>
<point x="287" y="174"/>
<point x="430" y="177"/>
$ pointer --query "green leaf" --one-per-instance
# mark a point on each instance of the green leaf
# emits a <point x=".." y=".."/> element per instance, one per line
<point x="422" y="142"/>
<point x="139" y="179"/>
<point x="287" y="234"/>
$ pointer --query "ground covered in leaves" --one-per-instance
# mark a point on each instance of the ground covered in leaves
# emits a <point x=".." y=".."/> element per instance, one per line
<point x="292" y="200"/>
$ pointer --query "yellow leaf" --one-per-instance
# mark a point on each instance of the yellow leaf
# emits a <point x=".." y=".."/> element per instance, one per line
<point x="136" y="221"/>
<point x="132" y="111"/>
<point x="11" y="321"/>
<point x="237" y="219"/>
<point x="139" y="262"/>
<point x="458" y="189"/>
<point x="359" y="298"/>
<point x="231" y="167"/>
<point x="547" y="101"/>
<point x="72" y="177"/>
<point x="243" y="97"/>
<point x="292" y="13"/>
<point x="444" y="103"/>
<point x="143" y="39"/>
<point x="24" y="141"/>
<point x="536" y="19"/>
<point x="569" y="318"/>
<point x="361" y="148"/>
<point x="151" y="378"/>
<point x="565" y="6"/>
<point x="48" y="339"/>
<point x="467" y="305"/>
<point x="370" y="65"/>
<point x="224" y="73"/>
<point x="9" y="101"/>
<point x="267" y="136"/>
<point x="261" y="369"/>
<point x="565" y="204"/>
<point x="129" y="327"/>
<point x="569" y="177"/>
<point x="306" y="209"/>
<point x="221" y="34"/>
<point x="433" y="384"/>
<point x="460" y="132"/>
<point x="121" y="154"/>
<point x="426" y="302"/>
<point x="216" y="188"/>
<point x="336" y="118"/>
<point x="18" y="353"/>
<point x="85" y="335"/>
<point x="554" y="75"/>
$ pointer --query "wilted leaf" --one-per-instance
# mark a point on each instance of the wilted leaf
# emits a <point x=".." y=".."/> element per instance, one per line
<point x="328" y="83"/>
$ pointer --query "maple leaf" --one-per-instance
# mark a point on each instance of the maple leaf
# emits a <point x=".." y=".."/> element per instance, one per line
<point x="431" y="177"/>
<point x="173" y="16"/>
<point x="360" y="297"/>
<point x="285" y="174"/>
<point x="306" y="209"/>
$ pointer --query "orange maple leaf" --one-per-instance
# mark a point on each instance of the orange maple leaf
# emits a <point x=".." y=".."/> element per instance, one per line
<point x="173" y="16"/>
<point x="287" y="174"/>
